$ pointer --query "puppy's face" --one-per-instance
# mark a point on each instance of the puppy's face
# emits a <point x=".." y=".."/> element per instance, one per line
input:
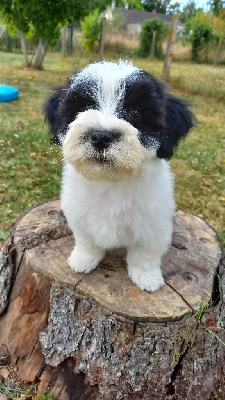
<point x="112" y="116"/>
<point x="102" y="147"/>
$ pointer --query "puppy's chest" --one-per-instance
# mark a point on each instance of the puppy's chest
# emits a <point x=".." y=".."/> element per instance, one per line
<point x="112" y="219"/>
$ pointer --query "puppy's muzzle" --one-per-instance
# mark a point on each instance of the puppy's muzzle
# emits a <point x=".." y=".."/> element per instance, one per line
<point x="102" y="140"/>
<point x="103" y="147"/>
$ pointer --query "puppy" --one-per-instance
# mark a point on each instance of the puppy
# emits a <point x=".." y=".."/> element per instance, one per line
<point x="117" y="125"/>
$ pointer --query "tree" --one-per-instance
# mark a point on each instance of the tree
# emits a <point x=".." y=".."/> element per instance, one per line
<point x="217" y="6"/>
<point x="219" y="30"/>
<point x="199" y="33"/>
<point x="160" y="6"/>
<point x="91" y="27"/>
<point x="40" y="21"/>
<point x="135" y="4"/>
<point x="188" y="12"/>
<point x="148" y="27"/>
<point x="132" y="4"/>
<point x="101" y="5"/>
<point x="174" y="8"/>
<point x="219" y="24"/>
<point x="201" y="36"/>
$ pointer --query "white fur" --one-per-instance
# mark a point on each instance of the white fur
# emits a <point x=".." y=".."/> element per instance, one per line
<point x="107" y="76"/>
<point x="135" y="213"/>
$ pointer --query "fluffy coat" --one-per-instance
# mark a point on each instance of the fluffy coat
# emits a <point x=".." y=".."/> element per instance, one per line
<point x="117" y="125"/>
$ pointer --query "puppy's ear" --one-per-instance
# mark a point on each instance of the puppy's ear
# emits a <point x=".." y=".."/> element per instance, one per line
<point x="179" y="121"/>
<point x="51" y="111"/>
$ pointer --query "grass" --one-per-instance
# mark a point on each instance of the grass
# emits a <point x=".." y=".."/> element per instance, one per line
<point x="20" y="394"/>
<point x="192" y="78"/>
<point x="31" y="170"/>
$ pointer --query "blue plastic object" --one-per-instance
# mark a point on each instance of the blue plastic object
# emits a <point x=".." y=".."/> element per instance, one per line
<point x="8" y="93"/>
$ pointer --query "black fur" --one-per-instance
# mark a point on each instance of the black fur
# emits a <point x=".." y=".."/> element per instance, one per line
<point x="51" y="110"/>
<point x="64" y="105"/>
<point x="146" y="105"/>
<point x="156" y="114"/>
<point x="179" y="121"/>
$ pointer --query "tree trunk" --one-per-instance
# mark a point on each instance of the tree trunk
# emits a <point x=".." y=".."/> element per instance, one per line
<point x="102" y="39"/>
<point x="39" y="55"/>
<point x="152" y="48"/>
<point x="24" y="48"/>
<point x="218" y="52"/>
<point x="64" y="40"/>
<point x="98" y="336"/>
<point x="78" y="46"/>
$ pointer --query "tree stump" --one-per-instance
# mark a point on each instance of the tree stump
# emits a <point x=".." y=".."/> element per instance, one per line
<point x="98" y="336"/>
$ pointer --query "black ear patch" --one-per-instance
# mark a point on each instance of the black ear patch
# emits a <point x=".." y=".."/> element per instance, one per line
<point x="179" y="121"/>
<point x="51" y="110"/>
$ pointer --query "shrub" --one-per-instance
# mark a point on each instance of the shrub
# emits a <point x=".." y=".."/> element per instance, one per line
<point x="91" y="27"/>
<point x="199" y="33"/>
<point x="147" y="29"/>
<point x="201" y="37"/>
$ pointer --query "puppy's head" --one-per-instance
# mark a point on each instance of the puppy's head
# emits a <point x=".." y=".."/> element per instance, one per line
<point x="110" y="117"/>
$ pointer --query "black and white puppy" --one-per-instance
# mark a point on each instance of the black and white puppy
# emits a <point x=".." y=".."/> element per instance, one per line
<point x="117" y="124"/>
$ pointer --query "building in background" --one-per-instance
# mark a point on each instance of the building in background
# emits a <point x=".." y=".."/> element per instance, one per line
<point x="132" y="19"/>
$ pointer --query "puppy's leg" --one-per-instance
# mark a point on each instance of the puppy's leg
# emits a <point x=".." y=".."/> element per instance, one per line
<point x="86" y="255"/>
<point x="144" y="268"/>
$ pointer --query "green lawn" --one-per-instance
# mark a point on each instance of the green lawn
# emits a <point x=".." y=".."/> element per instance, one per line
<point x="30" y="170"/>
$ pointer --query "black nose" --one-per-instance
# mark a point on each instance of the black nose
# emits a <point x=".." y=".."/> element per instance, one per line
<point x="102" y="139"/>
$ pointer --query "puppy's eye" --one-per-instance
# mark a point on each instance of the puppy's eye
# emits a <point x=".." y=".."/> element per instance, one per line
<point x="129" y="114"/>
<point x="134" y="113"/>
<point x="74" y="104"/>
<point x="82" y="102"/>
<point x="149" y="140"/>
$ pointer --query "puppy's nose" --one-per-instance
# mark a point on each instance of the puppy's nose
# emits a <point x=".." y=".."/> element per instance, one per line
<point x="102" y="139"/>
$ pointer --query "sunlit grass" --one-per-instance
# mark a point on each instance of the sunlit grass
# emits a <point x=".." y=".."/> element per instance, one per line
<point x="30" y="170"/>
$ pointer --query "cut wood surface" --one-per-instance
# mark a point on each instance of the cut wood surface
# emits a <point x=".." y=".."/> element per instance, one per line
<point x="188" y="267"/>
<point x="98" y="336"/>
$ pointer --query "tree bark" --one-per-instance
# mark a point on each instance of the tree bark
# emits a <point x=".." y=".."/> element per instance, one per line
<point x="98" y="336"/>
<point x="24" y="48"/>
<point x="218" y="52"/>
<point x="64" y="40"/>
<point x="39" y="54"/>
<point x="78" y="45"/>
<point x="152" y="48"/>
<point x="102" y="39"/>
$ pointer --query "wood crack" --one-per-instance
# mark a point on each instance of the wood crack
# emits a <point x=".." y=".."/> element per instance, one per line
<point x="179" y="294"/>
<point x="170" y="387"/>
<point x="74" y="288"/>
<point x="32" y="351"/>
<point x="8" y="274"/>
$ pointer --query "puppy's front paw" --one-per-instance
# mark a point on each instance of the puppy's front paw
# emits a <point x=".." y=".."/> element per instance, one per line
<point x="84" y="262"/>
<point x="149" y="281"/>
